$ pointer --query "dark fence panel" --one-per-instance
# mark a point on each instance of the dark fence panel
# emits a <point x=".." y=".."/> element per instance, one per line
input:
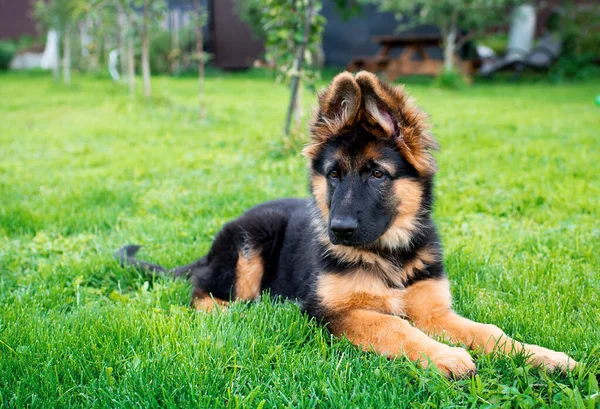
<point x="15" y="18"/>
<point x="234" y="44"/>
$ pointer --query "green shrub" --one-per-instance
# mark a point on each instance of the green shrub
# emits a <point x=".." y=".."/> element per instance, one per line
<point x="7" y="52"/>
<point x="160" y="49"/>
<point x="163" y="56"/>
<point x="580" y="30"/>
<point x="450" y="80"/>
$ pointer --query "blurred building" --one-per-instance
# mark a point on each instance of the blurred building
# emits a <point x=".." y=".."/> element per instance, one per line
<point x="235" y="47"/>
<point x="16" y="19"/>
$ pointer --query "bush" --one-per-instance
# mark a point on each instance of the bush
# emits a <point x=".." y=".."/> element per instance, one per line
<point x="7" y="52"/>
<point x="450" y="80"/>
<point x="575" y="67"/>
<point x="163" y="56"/>
<point x="160" y="48"/>
<point x="580" y="30"/>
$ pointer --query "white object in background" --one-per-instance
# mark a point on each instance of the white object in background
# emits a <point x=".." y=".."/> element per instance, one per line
<point x="113" y="63"/>
<point x="522" y="31"/>
<point x="50" y="57"/>
<point x="26" y="61"/>
<point x="484" y="52"/>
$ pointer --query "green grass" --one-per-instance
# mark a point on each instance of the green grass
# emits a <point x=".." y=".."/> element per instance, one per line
<point x="85" y="170"/>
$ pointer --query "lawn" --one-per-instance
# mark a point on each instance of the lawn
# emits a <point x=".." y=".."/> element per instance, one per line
<point x="84" y="170"/>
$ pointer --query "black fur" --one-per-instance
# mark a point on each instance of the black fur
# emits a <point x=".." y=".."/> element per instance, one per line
<point x="289" y="232"/>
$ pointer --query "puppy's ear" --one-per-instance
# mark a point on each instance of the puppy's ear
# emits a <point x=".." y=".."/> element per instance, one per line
<point x="339" y="107"/>
<point x="390" y="110"/>
<point x="340" y="102"/>
<point x="379" y="103"/>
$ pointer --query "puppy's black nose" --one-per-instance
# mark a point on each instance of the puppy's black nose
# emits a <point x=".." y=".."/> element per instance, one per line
<point x="343" y="227"/>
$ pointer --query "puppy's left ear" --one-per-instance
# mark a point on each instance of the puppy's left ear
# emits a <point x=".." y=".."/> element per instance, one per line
<point x="379" y="103"/>
<point x="390" y="111"/>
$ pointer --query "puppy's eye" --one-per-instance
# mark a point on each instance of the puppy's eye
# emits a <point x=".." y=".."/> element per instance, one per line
<point x="377" y="174"/>
<point x="334" y="174"/>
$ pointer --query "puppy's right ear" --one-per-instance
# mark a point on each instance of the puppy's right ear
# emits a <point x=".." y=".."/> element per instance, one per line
<point x="340" y="102"/>
<point x="339" y="107"/>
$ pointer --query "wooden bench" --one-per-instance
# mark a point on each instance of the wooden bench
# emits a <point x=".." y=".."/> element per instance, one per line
<point x="405" y="64"/>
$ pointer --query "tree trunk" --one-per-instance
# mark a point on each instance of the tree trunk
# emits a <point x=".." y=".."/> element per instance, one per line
<point x="93" y="56"/>
<point x="298" y="111"/>
<point x="56" y="58"/>
<point x="450" y="43"/>
<point x="130" y="66"/>
<point x="83" y="40"/>
<point x="56" y="70"/>
<point x="67" y="55"/>
<point x="200" y="51"/>
<point x="107" y="48"/>
<point x="123" y="28"/>
<point x="175" y="40"/>
<point x="297" y="67"/>
<point x="449" y="52"/>
<point x="146" y="50"/>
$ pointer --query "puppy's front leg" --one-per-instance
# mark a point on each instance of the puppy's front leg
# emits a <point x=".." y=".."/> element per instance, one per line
<point x="393" y="336"/>
<point x="428" y="305"/>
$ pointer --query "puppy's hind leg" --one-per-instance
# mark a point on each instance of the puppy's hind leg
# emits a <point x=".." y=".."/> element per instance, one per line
<point x="237" y="266"/>
<point x="205" y="302"/>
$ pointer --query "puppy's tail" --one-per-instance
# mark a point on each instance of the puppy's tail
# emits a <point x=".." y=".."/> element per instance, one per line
<point x="126" y="256"/>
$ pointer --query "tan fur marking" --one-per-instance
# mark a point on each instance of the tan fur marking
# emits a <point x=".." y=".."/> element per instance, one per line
<point x="379" y="266"/>
<point x="372" y="153"/>
<point x="394" y="337"/>
<point x="249" y="273"/>
<point x="358" y="290"/>
<point x="355" y="254"/>
<point x="342" y="159"/>
<point x="319" y="188"/>
<point x="424" y="257"/>
<point x="204" y="302"/>
<point x="428" y="305"/>
<point x="401" y="231"/>
<point x="388" y="167"/>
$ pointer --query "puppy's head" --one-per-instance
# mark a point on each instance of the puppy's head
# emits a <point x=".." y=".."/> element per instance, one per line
<point x="370" y="157"/>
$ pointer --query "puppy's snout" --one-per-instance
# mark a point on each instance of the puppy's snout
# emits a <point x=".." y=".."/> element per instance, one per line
<point x="343" y="227"/>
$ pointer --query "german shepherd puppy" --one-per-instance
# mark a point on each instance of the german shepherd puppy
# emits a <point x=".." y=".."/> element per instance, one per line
<point x="362" y="254"/>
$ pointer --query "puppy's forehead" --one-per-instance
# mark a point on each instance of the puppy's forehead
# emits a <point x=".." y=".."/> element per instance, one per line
<point x="359" y="154"/>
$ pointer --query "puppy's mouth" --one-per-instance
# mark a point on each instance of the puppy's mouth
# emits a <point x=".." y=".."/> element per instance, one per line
<point x="348" y="241"/>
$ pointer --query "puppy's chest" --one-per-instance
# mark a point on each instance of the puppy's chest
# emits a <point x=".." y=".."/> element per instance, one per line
<point x="359" y="289"/>
<point x="370" y="281"/>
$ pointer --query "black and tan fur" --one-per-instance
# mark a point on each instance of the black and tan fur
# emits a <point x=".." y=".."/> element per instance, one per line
<point x="362" y="255"/>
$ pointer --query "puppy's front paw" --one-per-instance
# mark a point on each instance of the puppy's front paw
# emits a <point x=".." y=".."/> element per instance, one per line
<point x="453" y="362"/>
<point x="549" y="359"/>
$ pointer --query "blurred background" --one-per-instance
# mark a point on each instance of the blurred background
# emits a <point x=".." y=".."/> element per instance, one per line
<point x="455" y="41"/>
